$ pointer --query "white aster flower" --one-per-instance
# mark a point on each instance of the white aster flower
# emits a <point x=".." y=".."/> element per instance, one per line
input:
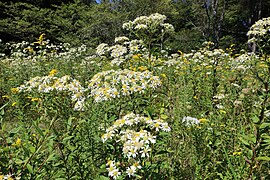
<point x="190" y="121"/>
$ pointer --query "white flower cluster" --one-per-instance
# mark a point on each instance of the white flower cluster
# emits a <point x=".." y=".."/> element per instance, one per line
<point x="120" y="52"/>
<point x="136" y="144"/>
<point x="47" y="84"/>
<point x="114" y="171"/>
<point x="203" y="58"/>
<point x="243" y="62"/>
<point x="111" y="84"/>
<point x="102" y="49"/>
<point x="259" y="30"/>
<point x="121" y="39"/>
<point x="27" y="54"/>
<point x="203" y="55"/>
<point x="151" y="23"/>
<point x="173" y="60"/>
<point x="190" y="121"/>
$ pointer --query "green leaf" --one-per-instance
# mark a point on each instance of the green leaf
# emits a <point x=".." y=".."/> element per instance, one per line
<point x="264" y="125"/>
<point x="255" y="119"/>
<point x="162" y="110"/>
<point x="38" y="129"/>
<point x="51" y="157"/>
<point x="14" y="131"/>
<point x="263" y="158"/>
<point x="244" y="141"/>
<point x="102" y="178"/>
<point x="163" y="116"/>
<point x="67" y="138"/>
<point x="32" y="149"/>
<point x="250" y="138"/>
<point x="30" y="168"/>
<point x="2" y="111"/>
<point x="69" y="123"/>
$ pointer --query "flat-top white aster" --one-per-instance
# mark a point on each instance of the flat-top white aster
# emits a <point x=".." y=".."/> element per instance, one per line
<point x="135" y="144"/>
<point x="50" y="83"/>
<point x="190" y="121"/>
<point x="131" y="171"/>
<point x="259" y="30"/>
<point x="112" y="84"/>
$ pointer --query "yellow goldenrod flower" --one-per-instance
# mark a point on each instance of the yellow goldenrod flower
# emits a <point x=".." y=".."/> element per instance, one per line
<point x="181" y="53"/>
<point x="203" y="120"/>
<point x="35" y="99"/>
<point x="222" y="111"/>
<point x="29" y="49"/>
<point x="135" y="56"/>
<point x="186" y="61"/>
<point x="142" y="68"/>
<point x="41" y="37"/>
<point x="14" y="90"/>
<point x="263" y="65"/>
<point x="5" y="96"/>
<point x="53" y="72"/>
<point x="17" y="143"/>
<point x="237" y="153"/>
<point x="163" y="75"/>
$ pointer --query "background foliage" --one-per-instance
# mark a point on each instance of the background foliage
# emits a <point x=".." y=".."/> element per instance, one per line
<point x="86" y="21"/>
<point x="208" y="109"/>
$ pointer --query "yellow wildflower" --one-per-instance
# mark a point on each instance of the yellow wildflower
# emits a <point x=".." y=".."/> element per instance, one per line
<point x="163" y="75"/>
<point x="142" y="68"/>
<point x="135" y="56"/>
<point x="2" y="177"/>
<point x="181" y="53"/>
<point x="35" y="99"/>
<point x="237" y="153"/>
<point x="53" y="72"/>
<point x="14" y="104"/>
<point x="5" y="96"/>
<point x="41" y="37"/>
<point x="186" y="61"/>
<point x="203" y="120"/>
<point x="222" y="111"/>
<point x="17" y="143"/>
<point x="263" y="65"/>
<point x="29" y="49"/>
<point x="14" y="90"/>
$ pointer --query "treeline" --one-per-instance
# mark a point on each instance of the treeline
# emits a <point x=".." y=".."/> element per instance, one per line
<point x="223" y="22"/>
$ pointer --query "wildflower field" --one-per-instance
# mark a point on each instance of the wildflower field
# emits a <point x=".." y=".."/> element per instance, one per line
<point x="136" y="110"/>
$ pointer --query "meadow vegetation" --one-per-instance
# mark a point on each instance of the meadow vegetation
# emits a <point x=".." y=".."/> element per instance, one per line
<point x="134" y="110"/>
